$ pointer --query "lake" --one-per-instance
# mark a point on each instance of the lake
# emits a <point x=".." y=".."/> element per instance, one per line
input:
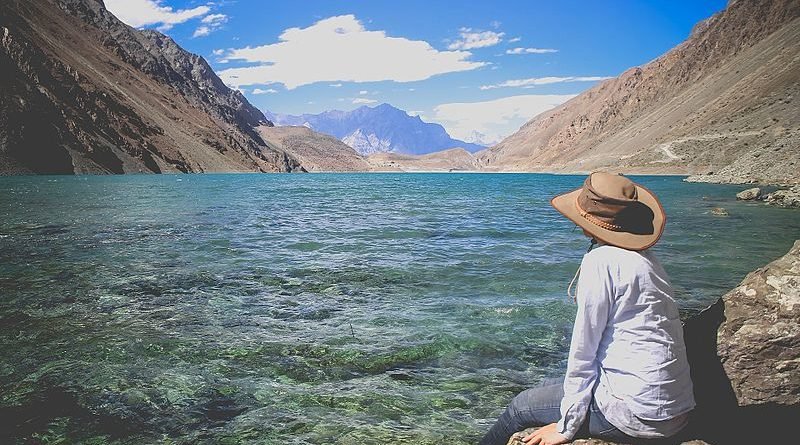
<point x="318" y="308"/>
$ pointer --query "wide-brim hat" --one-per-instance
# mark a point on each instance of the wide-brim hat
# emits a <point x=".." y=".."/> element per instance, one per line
<point x="614" y="210"/>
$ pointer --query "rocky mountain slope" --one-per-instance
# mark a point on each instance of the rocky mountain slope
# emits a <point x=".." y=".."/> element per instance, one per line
<point x="723" y="104"/>
<point x="316" y="152"/>
<point x="454" y="159"/>
<point x="382" y="128"/>
<point x="84" y="93"/>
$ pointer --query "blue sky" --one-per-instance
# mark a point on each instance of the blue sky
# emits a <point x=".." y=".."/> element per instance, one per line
<point x="479" y="68"/>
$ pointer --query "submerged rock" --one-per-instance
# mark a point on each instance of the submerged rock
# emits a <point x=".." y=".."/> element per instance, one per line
<point x="749" y="194"/>
<point x="719" y="211"/>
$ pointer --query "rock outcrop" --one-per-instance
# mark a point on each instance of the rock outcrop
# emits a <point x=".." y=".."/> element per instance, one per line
<point x="749" y="194"/>
<point x="722" y="105"/>
<point x="784" y="198"/>
<point x="744" y="352"/>
<point x="84" y="93"/>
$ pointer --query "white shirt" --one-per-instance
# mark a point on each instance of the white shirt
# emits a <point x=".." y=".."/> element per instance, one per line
<point x="627" y="345"/>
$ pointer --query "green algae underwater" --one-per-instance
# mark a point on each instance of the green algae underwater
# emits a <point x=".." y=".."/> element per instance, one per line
<point x="325" y="308"/>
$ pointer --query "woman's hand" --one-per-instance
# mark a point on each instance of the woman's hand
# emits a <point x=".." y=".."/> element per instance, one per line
<point x="546" y="435"/>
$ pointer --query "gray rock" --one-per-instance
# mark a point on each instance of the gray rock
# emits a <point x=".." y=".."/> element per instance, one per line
<point x="744" y="351"/>
<point x="749" y="194"/>
<point x="719" y="211"/>
<point x="785" y="198"/>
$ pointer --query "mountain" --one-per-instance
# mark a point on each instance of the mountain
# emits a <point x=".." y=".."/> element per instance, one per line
<point x="723" y="105"/>
<point x="382" y="128"/>
<point x="454" y="159"/>
<point x="317" y="152"/>
<point x="84" y="93"/>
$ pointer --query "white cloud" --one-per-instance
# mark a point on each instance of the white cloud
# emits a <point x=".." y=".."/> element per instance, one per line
<point x="202" y="31"/>
<point x="470" y="39"/>
<point x="212" y="22"/>
<point x="533" y="81"/>
<point x="363" y="92"/>
<point x="341" y="49"/>
<point x="139" y="13"/>
<point x="267" y="91"/>
<point x="218" y="52"/>
<point x="335" y="85"/>
<point x="495" y="119"/>
<point x="364" y="101"/>
<point x="215" y="18"/>
<point x="531" y="51"/>
<point x="514" y="39"/>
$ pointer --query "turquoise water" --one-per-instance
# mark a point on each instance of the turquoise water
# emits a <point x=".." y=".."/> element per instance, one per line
<point x="341" y="309"/>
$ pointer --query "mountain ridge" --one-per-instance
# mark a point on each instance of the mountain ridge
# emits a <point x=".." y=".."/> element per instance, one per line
<point x="87" y="93"/>
<point x="722" y="105"/>
<point x="382" y="128"/>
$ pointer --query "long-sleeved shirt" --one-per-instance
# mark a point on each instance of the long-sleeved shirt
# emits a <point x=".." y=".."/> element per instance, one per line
<point x="627" y="347"/>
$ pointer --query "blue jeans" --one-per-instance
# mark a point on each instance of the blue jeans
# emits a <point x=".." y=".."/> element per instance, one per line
<point x="541" y="405"/>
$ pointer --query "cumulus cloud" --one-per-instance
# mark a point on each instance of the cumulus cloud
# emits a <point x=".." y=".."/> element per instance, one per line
<point x="514" y="39"/>
<point x="364" y="101"/>
<point x="533" y="81"/>
<point x="531" y="51"/>
<point x="470" y="39"/>
<point x="211" y="23"/>
<point x="495" y="119"/>
<point x="140" y="13"/>
<point x="267" y="91"/>
<point x="341" y="49"/>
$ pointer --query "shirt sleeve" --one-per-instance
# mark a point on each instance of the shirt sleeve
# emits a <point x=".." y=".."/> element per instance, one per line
<point x="595" y="295"/>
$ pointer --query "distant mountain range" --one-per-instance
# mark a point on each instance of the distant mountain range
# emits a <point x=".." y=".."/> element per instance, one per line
<point x="378" y="129"/>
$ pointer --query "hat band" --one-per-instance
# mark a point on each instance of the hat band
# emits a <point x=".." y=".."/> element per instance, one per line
<point x="596" y="221"/>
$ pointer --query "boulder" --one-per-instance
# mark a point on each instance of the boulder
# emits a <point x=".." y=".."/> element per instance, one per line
<point x="744" y="351"/>
<point x="784" y="198"/>
<point x="749" y="194"/>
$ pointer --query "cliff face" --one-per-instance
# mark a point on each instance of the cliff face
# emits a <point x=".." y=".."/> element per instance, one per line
<point x="722" y="102"/>
<point x="85" y="93"/>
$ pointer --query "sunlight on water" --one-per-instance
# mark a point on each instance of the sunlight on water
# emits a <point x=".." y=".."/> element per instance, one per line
<point x="343" y="309"/>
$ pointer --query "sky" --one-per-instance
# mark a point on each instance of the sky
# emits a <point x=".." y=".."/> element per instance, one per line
<point x="481" y="69"/>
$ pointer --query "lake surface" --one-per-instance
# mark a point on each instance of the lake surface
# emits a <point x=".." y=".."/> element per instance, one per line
<point x="325" y="308"/>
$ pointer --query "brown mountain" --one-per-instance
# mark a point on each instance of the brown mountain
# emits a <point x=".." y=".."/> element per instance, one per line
<point x="723" y="104"/>
<point x="316" y="152"/>
<point x="454" y="159"/>
<point x="84" y="93"/>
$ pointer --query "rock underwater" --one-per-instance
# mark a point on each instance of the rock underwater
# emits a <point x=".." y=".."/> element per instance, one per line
<point x="744" y="351"/>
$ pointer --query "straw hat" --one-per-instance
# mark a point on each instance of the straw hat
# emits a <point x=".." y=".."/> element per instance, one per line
<point x="614" y="210"/>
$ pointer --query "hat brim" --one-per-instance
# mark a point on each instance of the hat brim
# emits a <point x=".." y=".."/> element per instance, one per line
<point x="566" y="204"/>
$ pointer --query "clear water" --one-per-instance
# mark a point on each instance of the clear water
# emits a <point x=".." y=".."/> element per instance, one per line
<point x="341" y="309"/>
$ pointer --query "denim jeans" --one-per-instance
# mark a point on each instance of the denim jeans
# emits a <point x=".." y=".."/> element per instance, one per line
<point x="541" y="405"/>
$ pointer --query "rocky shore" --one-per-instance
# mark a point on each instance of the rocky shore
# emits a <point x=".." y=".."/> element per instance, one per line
<point x="782" y="198"/>
<point x="744" y="351"/>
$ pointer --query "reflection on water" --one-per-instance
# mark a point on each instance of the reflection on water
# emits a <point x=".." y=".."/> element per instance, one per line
<point x="344" y="309"/>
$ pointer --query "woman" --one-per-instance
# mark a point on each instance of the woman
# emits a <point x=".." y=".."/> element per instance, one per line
<point x="627" y="375"/>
